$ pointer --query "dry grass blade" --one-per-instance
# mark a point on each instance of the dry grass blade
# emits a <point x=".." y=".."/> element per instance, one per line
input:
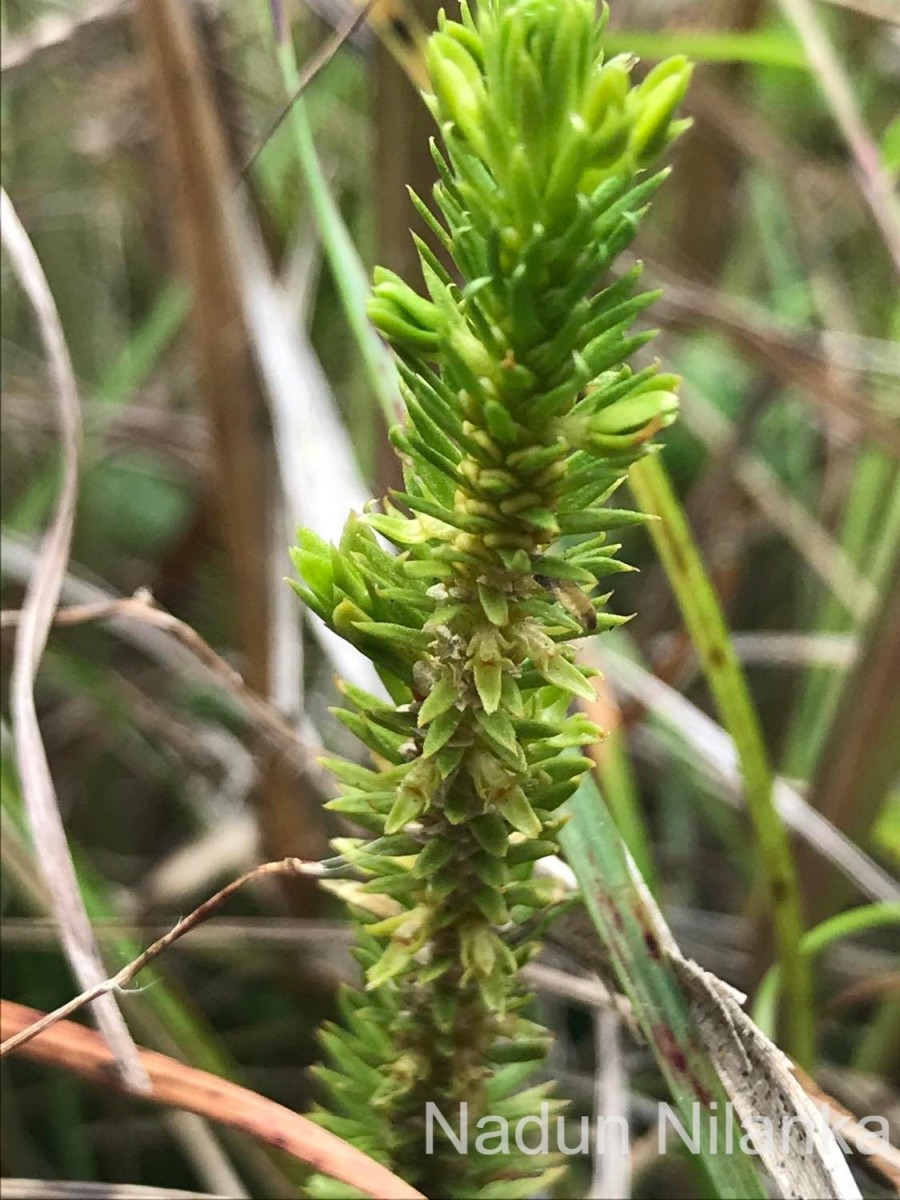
<point x="54" y="31"/>
<point x="788" y="356"/>
<point x="588" y="991"/>
<point x="319" y="476"/>
<point x="786" y="649"/>
<point x="880" y="10"/>
<point x="811" y="540"/>
<point x="777" y="648"/>
<point x="861" y="755"/>
<point x="762" y="1083"/>
<point x="66" y="1189"/>
<point x="286" y="866"/>
<point x="886" y="1158"/>
<point x="77" y="1049"/>
<point x="873" y="179"/>
<point x="612" y="1162"/>
<point x="711" y="747"/>
<point x="41" y="598"/>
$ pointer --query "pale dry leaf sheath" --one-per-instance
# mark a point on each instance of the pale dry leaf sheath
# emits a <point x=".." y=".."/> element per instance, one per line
<point x="802" y="1155"/>
<point x="41" y="598"/>
<point x="759" y="1079"/>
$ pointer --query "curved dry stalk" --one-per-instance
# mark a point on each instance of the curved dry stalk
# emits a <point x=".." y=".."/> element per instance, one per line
<point x="41" y="598"/>
<point x="77" y="1049"/>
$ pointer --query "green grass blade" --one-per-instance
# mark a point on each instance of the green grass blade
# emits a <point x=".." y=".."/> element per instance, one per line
<point x="618" y="910"/>
<point x="616" y="775"/>
<point x="705" y="622"/>
<point x="868" y="916"/>
<point x="146" y="347"/>
<point x="765" y="48"/>
<point x="343" y="257"/>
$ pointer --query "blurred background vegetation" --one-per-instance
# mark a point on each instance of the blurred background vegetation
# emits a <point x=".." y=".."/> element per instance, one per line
<point x="212" y="427"/>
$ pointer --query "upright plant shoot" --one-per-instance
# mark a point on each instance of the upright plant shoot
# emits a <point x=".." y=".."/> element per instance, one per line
<point x="523" y="417"/>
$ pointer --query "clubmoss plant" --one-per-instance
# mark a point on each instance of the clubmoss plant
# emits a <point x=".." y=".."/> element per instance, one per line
<point x="522" y="420"/>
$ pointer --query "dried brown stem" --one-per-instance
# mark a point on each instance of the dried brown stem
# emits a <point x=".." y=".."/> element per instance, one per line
<point x="201" y="168"/>
<point x="75" y="1048"/>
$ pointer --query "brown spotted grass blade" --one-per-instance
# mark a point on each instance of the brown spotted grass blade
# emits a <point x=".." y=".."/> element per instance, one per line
<point x="705" y="1044"/>
<point x="627" y="928"/>
<point x="42" y="596"/>
<point x="706" y="625"/>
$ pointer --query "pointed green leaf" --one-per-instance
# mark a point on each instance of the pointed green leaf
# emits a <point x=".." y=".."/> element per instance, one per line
<point x="491" y="834"/>
<point x="562" y="673"/>
<point x="441" y="697"/>
<point x="515" y="808"/>
<point x="440" y="730"/>
<point x="488" y="678"/>
<point x="495" y="604"/>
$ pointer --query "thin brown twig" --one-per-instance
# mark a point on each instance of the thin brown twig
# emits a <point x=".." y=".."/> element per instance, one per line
<point x="41" y="598"/>
<point x="286" y="866"/>
<point x="74" y="1048"/>
<point x="141" y="607"/>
